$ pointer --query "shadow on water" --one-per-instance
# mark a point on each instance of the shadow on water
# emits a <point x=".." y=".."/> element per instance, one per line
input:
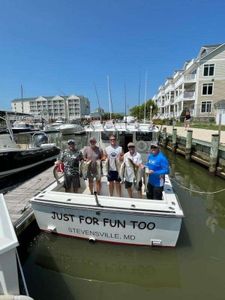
<point x="39" y="278"/>
<point x="76" y="265"/>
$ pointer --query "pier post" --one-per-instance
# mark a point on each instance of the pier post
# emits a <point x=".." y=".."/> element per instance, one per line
<point x="188" y="145"/>
<point x="164" y="137"/>
<point x="174" y="140"/>
<point x="214" y="151"/>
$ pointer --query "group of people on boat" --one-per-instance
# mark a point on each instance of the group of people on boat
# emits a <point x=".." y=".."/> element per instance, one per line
<point x="120" y="166"/>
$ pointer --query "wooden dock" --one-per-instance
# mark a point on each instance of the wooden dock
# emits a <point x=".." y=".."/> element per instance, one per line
<point x="17" y="200"/>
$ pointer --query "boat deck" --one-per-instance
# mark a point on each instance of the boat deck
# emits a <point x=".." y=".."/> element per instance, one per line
<point x="168" y="206"/>
<point x="21" y="213"/>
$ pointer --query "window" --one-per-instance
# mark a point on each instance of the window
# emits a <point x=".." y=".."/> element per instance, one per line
<point x="208" y="70"/>
<point x="206" y="106"/>
<point x="144" y="136"/>
<point x="207" y="89"/>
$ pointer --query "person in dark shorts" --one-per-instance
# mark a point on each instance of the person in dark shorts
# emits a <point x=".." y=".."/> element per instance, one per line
<point x="71" y="158"/>
<point x="114" y="155"/>
<point x="157" y="167"/>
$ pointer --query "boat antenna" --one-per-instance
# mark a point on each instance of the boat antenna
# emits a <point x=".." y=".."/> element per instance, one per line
<point x="110" y="98"/>
<point x="96" y="92"/>
<point x="145" y="99"/>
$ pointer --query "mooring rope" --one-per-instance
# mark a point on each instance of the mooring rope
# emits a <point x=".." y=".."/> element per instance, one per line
<point x="195" y="191"/>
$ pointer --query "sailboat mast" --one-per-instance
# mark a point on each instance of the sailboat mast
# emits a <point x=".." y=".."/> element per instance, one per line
<point x="125" y="100"/>
<point x="96" y="92"/>
<point x="146" y="82"/>
<point x="110" y="98"/>
<point x="139" y="97"/>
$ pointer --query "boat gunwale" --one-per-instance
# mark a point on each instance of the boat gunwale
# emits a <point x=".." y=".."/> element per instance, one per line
<point x="131" y="210"/>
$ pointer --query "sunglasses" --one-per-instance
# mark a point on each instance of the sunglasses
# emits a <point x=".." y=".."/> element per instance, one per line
<point x="154" y="147"/>
<point x="112" y="139"/>
<point x="131" y="147"/>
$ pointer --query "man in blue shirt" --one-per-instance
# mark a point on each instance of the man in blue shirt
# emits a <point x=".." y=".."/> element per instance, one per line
<point x="157" y="166"/>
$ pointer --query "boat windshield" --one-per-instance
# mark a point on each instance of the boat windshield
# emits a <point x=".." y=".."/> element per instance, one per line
<point x="105" y="135"/>
<point x="143" y="136"/>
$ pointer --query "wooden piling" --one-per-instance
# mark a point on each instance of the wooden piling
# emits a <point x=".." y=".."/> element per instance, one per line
<point x="174" y="140"/>
<point x="214" y="151"/>
<point x="188" y="145"/>
<point x="164" y="137"/>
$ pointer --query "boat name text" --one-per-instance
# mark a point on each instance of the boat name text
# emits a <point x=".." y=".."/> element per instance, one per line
<point x="105" y="221"/>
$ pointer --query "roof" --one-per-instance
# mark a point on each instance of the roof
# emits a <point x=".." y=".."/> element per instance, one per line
<point x="207" y="49"/>
<point x="56" y="97"/>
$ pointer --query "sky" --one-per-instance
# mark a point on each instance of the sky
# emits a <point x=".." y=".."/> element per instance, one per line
<point x="82" y="47"/>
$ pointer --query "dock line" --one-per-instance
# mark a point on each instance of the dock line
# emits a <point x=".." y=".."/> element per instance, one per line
<point x="195" y="191"/>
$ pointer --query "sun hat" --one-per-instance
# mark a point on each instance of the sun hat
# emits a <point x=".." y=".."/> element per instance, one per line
<point x="131" y="145"/>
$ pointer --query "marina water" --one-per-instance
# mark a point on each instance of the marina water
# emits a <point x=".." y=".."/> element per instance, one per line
<point x="65" y="268"/>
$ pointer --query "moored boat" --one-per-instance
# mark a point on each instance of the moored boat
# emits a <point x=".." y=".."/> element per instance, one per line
<point x="16" y="157"/>
<point x="120" y="220"/>
<point x="111" y="219"/>
<point x="71" y="129"/>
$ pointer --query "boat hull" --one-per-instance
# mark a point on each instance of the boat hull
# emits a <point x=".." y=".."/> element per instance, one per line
<point x="115" y="225"/>
<point x="17" y="160"/>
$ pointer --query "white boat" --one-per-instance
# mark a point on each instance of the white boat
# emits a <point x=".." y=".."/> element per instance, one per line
<point x="71" y="129"/>
<point x="9" y="281"/>
<point x="20" y="126"/>
<point x="53" y="127"/>
<point x="110" y="219"/>
<point x="120" y="220"/>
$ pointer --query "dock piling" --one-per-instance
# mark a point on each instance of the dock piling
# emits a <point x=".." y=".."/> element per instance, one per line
<point x="214" y="151"/>
<point x="188" y="145"/>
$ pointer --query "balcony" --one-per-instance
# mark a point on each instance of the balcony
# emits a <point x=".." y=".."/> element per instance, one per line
<point x="190" y="78"/>
<point x="187" y="96"/>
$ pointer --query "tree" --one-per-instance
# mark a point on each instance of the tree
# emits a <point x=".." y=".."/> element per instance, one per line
<point x="148" y="109"/>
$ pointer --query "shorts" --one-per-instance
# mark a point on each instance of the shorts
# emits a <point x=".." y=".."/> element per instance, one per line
<point x="71" y="181"/>
<point x="113" y="176"/>
<point x="129" y="185"/>
<point x="154" y="192"/>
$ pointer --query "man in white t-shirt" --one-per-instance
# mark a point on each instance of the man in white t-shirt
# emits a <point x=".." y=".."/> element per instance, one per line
<point x="114" y="154"/>
<point x="132" y="159"/>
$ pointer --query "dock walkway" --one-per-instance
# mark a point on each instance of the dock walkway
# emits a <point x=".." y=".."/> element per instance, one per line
<point x="17" y="200"/>
<point x="204" y="135"/>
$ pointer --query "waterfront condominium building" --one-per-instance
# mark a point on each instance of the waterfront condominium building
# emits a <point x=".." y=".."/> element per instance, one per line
<point x="54" y="107"/>
<point x="196" y="87"/>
